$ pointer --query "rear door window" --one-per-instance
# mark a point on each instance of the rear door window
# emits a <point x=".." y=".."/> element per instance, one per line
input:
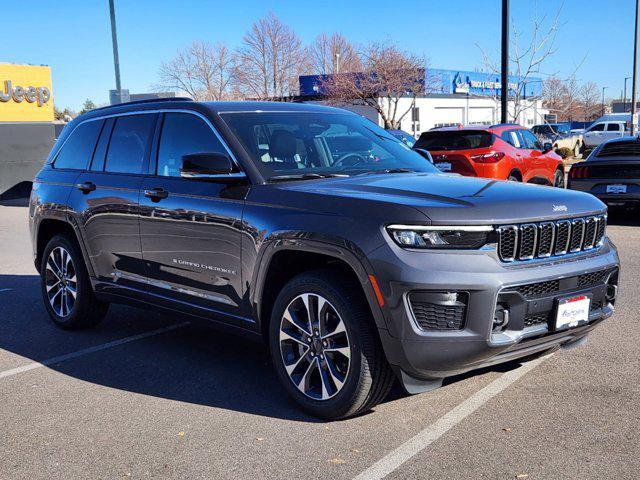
<point x="129" y="143"/>
<point x="78" y="149"/>
<point x="614" y="127"/>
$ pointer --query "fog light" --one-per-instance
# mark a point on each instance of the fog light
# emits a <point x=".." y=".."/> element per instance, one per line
<point x="500" y="318"/>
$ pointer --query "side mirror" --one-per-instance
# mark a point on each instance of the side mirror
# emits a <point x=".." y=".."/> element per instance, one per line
<point x="424" y="153"/>
<point x="547" y="147"/>
<point x="205" y="165"/>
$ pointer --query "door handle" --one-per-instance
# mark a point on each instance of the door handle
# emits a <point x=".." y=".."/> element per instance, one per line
<point x="86" y="187"/>
<point x="156" y="194"/>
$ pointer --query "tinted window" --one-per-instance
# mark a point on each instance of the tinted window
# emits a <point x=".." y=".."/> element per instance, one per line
<point x="613" y="127"/>
<point x="597" y="128"/>
<point x="77" y="150"/>
<point x="512" y="138"/>
<point x="454" y="140"/>
<point x="182" y="134"/>
<point x="530" y="140"/>
<point x="128" y="143"/>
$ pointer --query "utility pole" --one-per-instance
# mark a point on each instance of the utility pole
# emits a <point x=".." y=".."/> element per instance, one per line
<point x="603" y="89"/>
<point x="634" y="121"/>
<point x="624" y="102"/>
<point x="114" y="40"/>
<point x="504" y="74"/>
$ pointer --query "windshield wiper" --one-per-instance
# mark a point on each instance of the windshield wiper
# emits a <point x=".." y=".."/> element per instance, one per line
<point x="388" y="170"/>
<point x="303" y="176"/>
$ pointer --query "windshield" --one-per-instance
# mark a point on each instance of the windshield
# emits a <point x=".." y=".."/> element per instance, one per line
<point x="301" y="143"/>
<point x="454" y="140"/>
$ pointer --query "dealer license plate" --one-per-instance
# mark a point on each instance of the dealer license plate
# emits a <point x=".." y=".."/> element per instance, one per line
<point x="572" y="311"/>
<point x="443" y="166"/>
<point x="616" y="188"/>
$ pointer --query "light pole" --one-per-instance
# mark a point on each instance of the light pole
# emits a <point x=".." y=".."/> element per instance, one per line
<point x="504" y="79"/>
<point x="114" y="41"/>
<point x="624" y="102"/>
<point x="634" y="122"/>
<point x="603" y="89"/>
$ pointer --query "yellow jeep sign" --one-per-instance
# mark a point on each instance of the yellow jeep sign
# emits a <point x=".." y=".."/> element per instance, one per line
<point x="25" y="93"/>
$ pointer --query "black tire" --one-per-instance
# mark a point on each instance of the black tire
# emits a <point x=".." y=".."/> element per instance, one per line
<point x="86" y="311"/>
<point x="369" y="377"/>
<point x="558" y="179"/>
<point x="577" y="150"/>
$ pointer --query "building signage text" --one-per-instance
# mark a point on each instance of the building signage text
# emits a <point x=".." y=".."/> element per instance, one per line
<point x="30" y="94"/>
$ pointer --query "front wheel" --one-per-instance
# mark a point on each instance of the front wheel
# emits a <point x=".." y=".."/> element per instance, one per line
<point x="325" y="347"/>
<point x="66" y="289"/>
<point x="577" y="150"/>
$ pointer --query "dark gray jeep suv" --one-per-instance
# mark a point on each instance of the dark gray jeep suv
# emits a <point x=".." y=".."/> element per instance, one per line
<point x="312" y="229"/>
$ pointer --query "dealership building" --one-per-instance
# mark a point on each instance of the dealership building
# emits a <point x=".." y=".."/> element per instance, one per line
<point x="450" y="97"/>
<point x="27" y="127"/>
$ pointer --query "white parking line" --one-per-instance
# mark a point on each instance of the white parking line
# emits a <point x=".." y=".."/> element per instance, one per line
<point x="433" y="432"/>
<point x="87" y="351"/>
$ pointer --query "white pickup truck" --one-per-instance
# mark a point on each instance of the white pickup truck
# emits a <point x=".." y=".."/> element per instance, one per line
<point x="603" y="130"/>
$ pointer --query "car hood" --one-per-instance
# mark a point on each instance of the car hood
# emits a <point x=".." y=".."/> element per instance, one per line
<point x="452" y="199"/>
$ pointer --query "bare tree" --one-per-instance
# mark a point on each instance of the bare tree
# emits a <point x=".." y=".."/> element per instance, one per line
<point x="528" y="52"/>
<point x="270" y="60"/>
<point x="202" y="71"/>
<point x="562" y="97"/>
<point x="387" y="76"/>
<point x="590" y="101"/>
<point x="333" y="54"/>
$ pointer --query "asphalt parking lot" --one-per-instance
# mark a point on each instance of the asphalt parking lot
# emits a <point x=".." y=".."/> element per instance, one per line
<point x="146" y="395"/>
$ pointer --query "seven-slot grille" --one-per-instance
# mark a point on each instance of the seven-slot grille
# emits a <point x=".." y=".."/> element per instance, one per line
<point x="544" y="239"/>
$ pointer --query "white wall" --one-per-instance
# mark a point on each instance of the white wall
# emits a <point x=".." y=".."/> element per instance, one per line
<point x="441" y="111"/>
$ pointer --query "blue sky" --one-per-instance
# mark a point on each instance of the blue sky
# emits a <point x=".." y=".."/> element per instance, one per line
<point x="73" y="37"/>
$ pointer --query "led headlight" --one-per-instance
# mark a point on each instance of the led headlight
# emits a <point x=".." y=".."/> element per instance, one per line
<point x="461" y="237"/>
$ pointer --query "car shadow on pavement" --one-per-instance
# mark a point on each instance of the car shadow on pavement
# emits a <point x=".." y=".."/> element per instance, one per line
<point x="193" y="364"/>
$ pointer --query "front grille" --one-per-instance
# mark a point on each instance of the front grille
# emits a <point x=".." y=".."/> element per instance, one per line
<point x="545" y="239"/>
<point x="536" y="319"/>
<point x="439" y="310"/>
<point x="541" y="289"/>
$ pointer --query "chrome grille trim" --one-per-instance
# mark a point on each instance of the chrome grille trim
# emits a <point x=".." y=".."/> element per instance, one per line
<point x="577" y="235"/>
<point x="531" y="240"/>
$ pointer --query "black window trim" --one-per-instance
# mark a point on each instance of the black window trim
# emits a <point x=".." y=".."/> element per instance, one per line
<point x="239" y="174"/>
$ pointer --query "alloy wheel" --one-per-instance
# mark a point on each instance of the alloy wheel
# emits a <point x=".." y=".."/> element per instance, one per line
<point x="61" y="281"/>
<point x="314" y="346"/>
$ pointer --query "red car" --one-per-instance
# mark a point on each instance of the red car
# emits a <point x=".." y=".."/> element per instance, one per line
<point x="503" y="152"/>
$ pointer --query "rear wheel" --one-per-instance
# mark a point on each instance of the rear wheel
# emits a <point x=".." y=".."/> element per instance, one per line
<point x="325" y="347"/>
<point x="66" y="289"/>
<point x="577" y="150"/>
<point x="558" y="179"/>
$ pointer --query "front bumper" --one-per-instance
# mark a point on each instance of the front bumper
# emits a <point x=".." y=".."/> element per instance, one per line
<point x="485" y="282"/>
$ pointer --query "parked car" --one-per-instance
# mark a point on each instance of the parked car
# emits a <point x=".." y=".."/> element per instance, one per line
<point x="504" y="152"/>
<point x="611" y="173"/>
<point x="560" y="136"/>
<point x="603" y="131"/>
<point x="404" y="137"/>
<point x="354" y="273"/>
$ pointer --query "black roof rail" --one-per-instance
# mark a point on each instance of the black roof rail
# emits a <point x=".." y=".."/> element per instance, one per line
<point x="148" y="100"/>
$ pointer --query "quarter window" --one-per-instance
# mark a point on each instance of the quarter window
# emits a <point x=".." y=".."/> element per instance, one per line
<point x="78" y="149"/>
<point x="530" y="140"/>
<point x="183" y="134"/>
<point x="129" y="142"/>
